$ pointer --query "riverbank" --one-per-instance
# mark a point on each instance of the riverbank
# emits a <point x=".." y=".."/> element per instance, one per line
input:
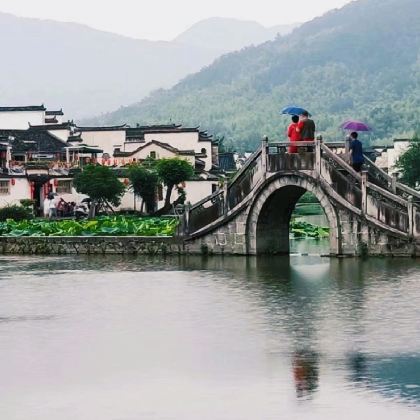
<point x="60" y="245"/>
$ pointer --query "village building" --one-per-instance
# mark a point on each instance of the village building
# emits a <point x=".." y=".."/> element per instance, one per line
<point x="40" y="153"/>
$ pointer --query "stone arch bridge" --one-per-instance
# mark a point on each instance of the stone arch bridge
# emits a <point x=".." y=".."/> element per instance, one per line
<point x="368" y="213"/>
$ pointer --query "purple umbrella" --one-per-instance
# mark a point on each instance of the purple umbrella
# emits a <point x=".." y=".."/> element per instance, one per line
<point x="353" y="125"/>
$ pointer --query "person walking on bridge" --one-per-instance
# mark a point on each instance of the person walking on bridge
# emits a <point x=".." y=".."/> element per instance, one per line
<point x="293" y="134"/>
<point x="356" y="152"/>
<point x="306" y="128"/>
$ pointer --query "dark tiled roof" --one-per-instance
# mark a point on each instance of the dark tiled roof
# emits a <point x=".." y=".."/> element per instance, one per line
<point x="156" y="127"/>
<point x="60" y="112"/>
<point x="63" y="126"/>
<point x="227" y="161"/>
<point x="74" y="138"/>
<point x="187" y="152"/>
<point x="34" y="141"/>
<point x="52" y="120"/>
<point x="110" y="128"/>
<point x="164" y="128"/>
<point x="22" y="108"/>
<point x="158" y="143"/>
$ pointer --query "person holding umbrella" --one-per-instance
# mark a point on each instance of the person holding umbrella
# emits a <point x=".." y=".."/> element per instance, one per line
<point x="355" y="148"/>
<point x="305" y="130"/>
<point x="293" y="134"/>
<point x="306" y="127"/>
<point x="356" y="152"/>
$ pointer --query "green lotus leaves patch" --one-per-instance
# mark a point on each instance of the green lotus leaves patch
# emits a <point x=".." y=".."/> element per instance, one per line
<point x="301" y="229"/>
<point x="100" y="226"/>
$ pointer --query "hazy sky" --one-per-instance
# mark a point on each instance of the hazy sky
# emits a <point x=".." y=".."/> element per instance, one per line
<point x="164" y="19"/>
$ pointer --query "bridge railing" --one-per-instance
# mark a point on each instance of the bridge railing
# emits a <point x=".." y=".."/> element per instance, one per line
<point x="279" y="157"/>
<point x="246" y="179"/>
<point x="343" y="179"/>
<point x="389" y="181"/>
<point x="205" y="211"/>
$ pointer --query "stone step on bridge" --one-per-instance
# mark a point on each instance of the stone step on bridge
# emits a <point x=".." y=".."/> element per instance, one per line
<point x="368" y="212"/>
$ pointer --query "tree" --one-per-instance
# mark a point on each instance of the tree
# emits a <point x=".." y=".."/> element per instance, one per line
<point x="409" y="164"/>
<point x="173" y="171"/>
<point x="101" y="184"/>
<point x="143" y="183"/>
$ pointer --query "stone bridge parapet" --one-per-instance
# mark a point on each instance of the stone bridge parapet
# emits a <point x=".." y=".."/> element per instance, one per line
<point x="252" y="214"/>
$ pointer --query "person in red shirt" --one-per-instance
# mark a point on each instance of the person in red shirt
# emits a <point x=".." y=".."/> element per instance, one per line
<point x="293" y="133"/>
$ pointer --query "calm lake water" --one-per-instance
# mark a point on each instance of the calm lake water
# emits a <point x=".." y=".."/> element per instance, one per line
<point x="305" y="337"/>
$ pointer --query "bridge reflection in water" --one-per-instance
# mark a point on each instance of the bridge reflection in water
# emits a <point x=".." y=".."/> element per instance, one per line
<point x="368" y="212"/>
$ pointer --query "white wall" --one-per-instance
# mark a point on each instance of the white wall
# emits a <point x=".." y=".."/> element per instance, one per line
<point x="393" y="154"/>
<point x="19" y="191"/>
<point x="105" y="140"/>
<point x="62" y="134"/>
<point x="20" y="120"/>
<point x="195" y="190"/>
<point x="184" y="141"/>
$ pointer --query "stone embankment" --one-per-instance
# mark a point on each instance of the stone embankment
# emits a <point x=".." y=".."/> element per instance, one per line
<point x="90" y="245"/>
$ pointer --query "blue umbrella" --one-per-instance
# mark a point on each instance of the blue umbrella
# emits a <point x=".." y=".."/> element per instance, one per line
<point x="293" y="110"/>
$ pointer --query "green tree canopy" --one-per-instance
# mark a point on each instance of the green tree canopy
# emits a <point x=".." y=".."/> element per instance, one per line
<point x="173" y="171"/>
<point x="101" y="184"/>
<point x="409" y="164"/>
<point x="143" y="183"/>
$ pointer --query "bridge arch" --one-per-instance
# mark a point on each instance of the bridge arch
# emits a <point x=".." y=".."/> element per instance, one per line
<point x="269" y="217"/>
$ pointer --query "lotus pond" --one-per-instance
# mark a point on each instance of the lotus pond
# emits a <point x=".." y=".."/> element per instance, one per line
<point x="100" y="226"/>
<point x="302" y="229"/>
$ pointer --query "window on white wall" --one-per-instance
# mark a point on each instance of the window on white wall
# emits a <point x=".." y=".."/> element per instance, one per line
<point x="64" y="186"/>
<point x="153" y="155"/>
<point x="4" y="187"/>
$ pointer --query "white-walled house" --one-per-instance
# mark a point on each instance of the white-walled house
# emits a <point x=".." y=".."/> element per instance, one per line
<point x="105" y="138"/>
<point x="177" y="137"/>
<point x="39" y="153"/>
<point x="155" y="150"/>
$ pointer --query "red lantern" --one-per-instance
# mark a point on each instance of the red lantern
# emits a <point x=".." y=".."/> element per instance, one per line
<point x="55" y="182"/>
<point x="32" y="185"/>
<point x="126" y="181"/>
<point x="13" y="181"/>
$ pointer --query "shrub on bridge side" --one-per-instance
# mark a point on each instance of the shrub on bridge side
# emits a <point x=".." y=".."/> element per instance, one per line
<point x="409" y="164"/>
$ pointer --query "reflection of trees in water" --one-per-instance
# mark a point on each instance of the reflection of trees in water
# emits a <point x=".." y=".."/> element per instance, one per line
<point x="391" y="376"/>
<point x="305" y="372"/>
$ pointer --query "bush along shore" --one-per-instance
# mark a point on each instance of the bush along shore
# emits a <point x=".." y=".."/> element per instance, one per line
<point x="100" y="226"/>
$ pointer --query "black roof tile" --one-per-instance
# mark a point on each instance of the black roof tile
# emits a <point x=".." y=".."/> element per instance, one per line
<point x="22" y="108"/>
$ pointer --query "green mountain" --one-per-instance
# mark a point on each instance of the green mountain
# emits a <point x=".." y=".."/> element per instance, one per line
<point x="361" y="61"/>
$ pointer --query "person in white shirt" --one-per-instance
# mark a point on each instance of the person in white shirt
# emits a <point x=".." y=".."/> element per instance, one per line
<point x="53" y="208"/>
<point x="46" y="206"/>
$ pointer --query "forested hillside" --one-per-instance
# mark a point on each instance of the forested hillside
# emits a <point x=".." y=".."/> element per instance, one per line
<point x="362" y="61"/>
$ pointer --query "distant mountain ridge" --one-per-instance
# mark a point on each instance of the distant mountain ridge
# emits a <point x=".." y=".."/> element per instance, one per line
<point x="361" y="61"/>
<point x="226" y="34"/>
<point x="84" y="70"/>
